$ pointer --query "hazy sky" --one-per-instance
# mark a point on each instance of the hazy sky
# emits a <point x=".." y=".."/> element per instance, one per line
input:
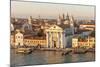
<point x="48" y="10"/>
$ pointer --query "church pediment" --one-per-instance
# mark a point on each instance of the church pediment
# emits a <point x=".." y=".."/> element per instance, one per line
<point x="54" y="28"/>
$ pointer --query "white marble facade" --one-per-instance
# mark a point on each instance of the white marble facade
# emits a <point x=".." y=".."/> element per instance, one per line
<point x="55" y="37"/>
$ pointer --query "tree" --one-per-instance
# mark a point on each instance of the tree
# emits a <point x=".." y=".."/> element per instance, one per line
<point x="41" y="33"/>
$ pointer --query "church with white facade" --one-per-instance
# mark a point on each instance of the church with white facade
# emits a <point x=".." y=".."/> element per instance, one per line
<point x="55" y="37"/>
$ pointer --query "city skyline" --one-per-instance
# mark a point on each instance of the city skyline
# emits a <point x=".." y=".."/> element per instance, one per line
<point x="51" y="33"/>
<point x="36" y="9"/>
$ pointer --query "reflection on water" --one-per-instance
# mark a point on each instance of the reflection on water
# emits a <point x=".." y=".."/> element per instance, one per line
<point x="48" y="57"/>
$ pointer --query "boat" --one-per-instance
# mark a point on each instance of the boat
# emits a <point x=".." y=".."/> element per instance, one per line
<point x="23" y="50"/>
<point x="79" y="51"/>
<point x="67" y="52"/>
<point x="91" y="50"/>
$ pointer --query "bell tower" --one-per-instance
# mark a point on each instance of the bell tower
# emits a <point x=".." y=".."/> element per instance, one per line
<point x="30" y="20"/>
<point x="59" y="20"/>
<point x="72" y="24"/>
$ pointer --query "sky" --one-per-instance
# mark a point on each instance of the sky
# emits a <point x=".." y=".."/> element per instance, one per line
<point x="50" y="10"/>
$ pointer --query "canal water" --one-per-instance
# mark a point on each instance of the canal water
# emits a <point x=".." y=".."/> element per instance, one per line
<point x="48" y="57"/>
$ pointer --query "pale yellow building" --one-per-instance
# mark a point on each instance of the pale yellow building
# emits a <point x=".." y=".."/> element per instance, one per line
<point x="27" y="41"/>
<point x="35" y="42"/>
<point x="88" y="42"/>
<point x="74" y="42"/>
<point x="19" y="38"/>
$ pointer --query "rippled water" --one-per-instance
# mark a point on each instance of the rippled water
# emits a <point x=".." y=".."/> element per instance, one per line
<point x="48" y="57"/>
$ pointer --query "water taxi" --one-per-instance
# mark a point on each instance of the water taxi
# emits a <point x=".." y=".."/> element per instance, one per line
<point x="23" y="50"/>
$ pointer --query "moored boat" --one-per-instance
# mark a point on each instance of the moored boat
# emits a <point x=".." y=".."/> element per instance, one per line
<point x="23" y="50"/>
<point x="79" y="51"/>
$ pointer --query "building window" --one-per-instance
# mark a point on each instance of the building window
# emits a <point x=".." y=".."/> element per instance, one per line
<point x="18" y="36"/>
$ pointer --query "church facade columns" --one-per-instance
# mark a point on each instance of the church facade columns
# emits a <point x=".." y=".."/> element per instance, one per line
<point x="55" y="37"/>
<point x="58" y="46"/>
<point x="47" y="39"/>
<point x="58" y="39"/>
<point x="59" y="43"/>
<point x="61" y="40"/>
<point x="50" y="40"/>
